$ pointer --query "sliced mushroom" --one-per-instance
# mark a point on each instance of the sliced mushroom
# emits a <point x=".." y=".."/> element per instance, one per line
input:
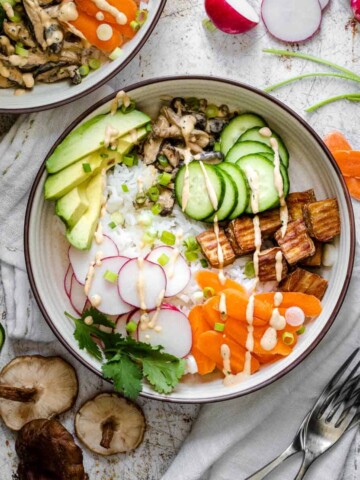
<point x="19" y="32"/>
<point x="151" y="149"/>
<point x="163" y="129"/>
<point x="172" y="154"/>
<point x="47" y="451"/>
<point x="6" y="83"/>
<point x="167" y="201"/>
<point x="200" y="137"/>
<point x="215" y="125"/>
<point x="13" y="74"/>
<point x="34" y="387"/>
<point x="5" y="46"/>
<point x="60" y="73"/>
<point x="48" y="3"/>
<point x="110" y="424"/>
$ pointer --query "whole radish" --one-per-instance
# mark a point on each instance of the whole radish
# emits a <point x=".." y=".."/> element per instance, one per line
<point x="355" y="5"/>
<point x="231" y="16"/>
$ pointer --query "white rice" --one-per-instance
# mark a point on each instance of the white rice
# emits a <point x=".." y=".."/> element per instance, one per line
<point x="129" y="238"/>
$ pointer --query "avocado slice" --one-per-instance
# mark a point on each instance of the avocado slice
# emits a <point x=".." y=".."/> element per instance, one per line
<point x="90" y="136"/>
<point x="82" y="233"/>
<point x="72" y="205"/>
<point x="126" y="143"/>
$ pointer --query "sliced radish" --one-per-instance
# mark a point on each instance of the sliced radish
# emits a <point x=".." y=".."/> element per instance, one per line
<point x="67" y="280"/>
<point x="291" y="20"/>
<point x="172" y="331"/>
<point x="77" y="296"/>
<point x="121" y="324"/>
<point x="111" y="302"/>
<point x="295" y="316"/>
<point x="81" y="259"/>
<point x="325" y="3"/>
<point x="231" y="16"/>
<point x="355" y="5"/>
<point x="177" y="271"/>
<point x="170" y="306"/>
<point x="153" y="283"/>
<point x="134" y="317"/>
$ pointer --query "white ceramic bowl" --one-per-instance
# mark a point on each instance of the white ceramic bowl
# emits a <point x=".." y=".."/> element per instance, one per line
<point x="311" y="166"/>
<point x="45" y="96"/>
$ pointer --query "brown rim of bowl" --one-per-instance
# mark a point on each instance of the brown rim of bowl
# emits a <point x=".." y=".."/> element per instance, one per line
<point x="155" y="396"/>
<point x="15" y="111"/>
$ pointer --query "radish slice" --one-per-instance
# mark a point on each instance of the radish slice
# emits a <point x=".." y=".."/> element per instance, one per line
<point x="110" y="300"/>
<point x="121" y="324"/>
<point x="177" y="271"/>
<point x="134" y="317"/>
<point x="172" y="331"/>
<point x="355" y="5"/>
<point x="77" y="296"/>
<point x="191" y="365"/>
<point x="81" y="259"/>
<point x="324" y="3"/>
<point x="67" y="280"/>
<point x="295" y="316"/>
<point x="231" y="16"/>
<point x="291" y="20"/>
<point x="153" y="283"/>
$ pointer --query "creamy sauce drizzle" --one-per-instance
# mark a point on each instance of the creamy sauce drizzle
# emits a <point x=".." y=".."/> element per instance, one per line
<point x="104" y="32"/>
<point x="170" y="267"/>
<point x="278" y="298"/>
<point x="265" y="132"/>
<point x="152" y="323"/>
<point x="120" y="97"/>
<point x="277" y="321"/>
<point x="279" y="185"/>
<point x="279" y="265"/>
<point x="67" y="12"/>
<point x="209" y="187"/>
<point x="119" y="16"/>
<point x="100" y="16"/>
<point x="95" y="300"/>
<point x="140" y="283"/>
<point x="223" y="307"/>
<point x="111" y="135"/>
<point x="28" y="80"/>
<point x="220" y="252"/>
<point x="257" y="233"/>
<point x="8" y="9"/>
<point x="269" y="339"/>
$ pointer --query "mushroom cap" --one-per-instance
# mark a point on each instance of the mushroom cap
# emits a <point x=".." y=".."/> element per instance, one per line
<point x="47" y="451"/>
<point x="127" y="417"/>
<point x="55" y="381"/>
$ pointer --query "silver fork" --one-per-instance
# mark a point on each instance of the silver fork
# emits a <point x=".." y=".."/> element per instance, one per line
<point x="336" y="411"/>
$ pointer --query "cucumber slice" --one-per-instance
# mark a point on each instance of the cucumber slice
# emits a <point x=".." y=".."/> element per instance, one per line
<point x="283" y="170"/>
<point x="268" y="195"/>
<point x="241" y="185"/>
<point x="2" y="337"/>
<point x="199" y="205"/>
<point x="238" y="125"/>
<point x="230" y="199"/>
<point x="240" y="149"/>
<point x="254" y="135"/>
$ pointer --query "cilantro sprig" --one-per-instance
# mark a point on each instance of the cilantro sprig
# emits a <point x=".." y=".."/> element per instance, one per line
<point x="127" y="361"/>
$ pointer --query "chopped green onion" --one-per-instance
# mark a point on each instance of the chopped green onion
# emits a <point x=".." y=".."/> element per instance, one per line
<point x="191" y="256"/>
<point x="84" y="70"/>
<point x="141" y="16"/>
<point x="164" y="179"/>
<point x="168" y="238"/>
<point x="117" y="218"/>
<point x="104" y="155"/>
<point x="140" y="198"/>
<point x="129" y="108"/>
<point x="20" y="50"/>
<point x="86" y="167"/>
<point x="115" y="54"/>
<point x="219" y="327"/>
<point x="135" y="25"/>
<point x="131" y="327"/>
<point x="191" y="244"/>
<point x="129" y="160"/>
<point x="156" y="209"/>
<point x="249" y="271"/>
<point x="204" y="263"/>
<point x="110" y="276"/>
<point x="149" y="238"/>
<point x="163" y="259"/>
<point x="208" y="292"/>
<point x="208" y="24"/>
<point x="124" y="187"/>
<point x="288" y="338"/>
<point x="16" y="18"/>
<point x="94" y="63"/>
<point x="217" y="147"/>
<point x="153" y="193"/>
<point x="163" y="160"/>
<point x="148" y="127"/>
<point x="301" y="330"/>
<point x="112" y="225"/>
<point x="212" y="111"/>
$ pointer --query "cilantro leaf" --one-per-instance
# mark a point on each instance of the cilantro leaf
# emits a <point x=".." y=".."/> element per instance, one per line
<point x="83" y="336"/>
<point x="163" y="375"/>
<point x="98" y="317"/>
<point x="126" y="375"/>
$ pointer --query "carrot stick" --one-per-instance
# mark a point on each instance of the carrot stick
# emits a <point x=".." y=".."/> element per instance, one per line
<point x="206" y="278"/>
<point x="128" y="7"/>
<point x="308" y="303"/>
<point x="353" y="185"/>
<point x="348" y="162"/>
<point x="212" y="311"/>
<point x="198" y="326"/>
<point x="336" y="141"/>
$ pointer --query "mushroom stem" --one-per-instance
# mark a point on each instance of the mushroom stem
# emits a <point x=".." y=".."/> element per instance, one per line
<point x="108" y="430"/>
<point x="17" y="394"/>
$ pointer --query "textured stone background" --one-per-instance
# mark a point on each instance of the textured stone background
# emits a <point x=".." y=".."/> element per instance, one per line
<point x="180" y="45"/>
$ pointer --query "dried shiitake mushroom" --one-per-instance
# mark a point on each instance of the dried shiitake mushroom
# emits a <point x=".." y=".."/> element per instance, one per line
<point x="34" y="387"/>
<point x="47" y="451"/>
<point x="109" y="424"/>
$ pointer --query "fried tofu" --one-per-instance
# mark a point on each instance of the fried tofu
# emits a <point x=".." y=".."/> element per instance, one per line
<point x="296" y="244"/>
<point x="323" y="219"/>
<point x="297" y="200"/>
<point x="267" y="264"/>
<point x="241" y="232"/>
<point x="306" y="282"/>
<point x="209" y="246"/>
<point x="316" y="259"/>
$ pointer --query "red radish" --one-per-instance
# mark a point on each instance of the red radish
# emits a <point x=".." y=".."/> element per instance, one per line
<point x="152" y="278"/>
<point x="105" y="284"/>
<point x="170" y="306"/>
<point x="81" y="259"/>
<point x="291" y="20"/>
<point x="231" y="16"/>
<point x="324" y="3"/>
<point x="295" y="316"/>
<point x="121" y="324"/>
<point x="77" y="296"/>
<point x="67" y="280"/>
<point x="176" y="269"/>
<point x="355" y="5"/>
<point x="172" y="331"/>
<point x="134" y="317"/>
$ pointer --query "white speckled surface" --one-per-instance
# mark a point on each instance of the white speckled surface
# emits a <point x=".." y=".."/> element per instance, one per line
<point x="180" y="45"/>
